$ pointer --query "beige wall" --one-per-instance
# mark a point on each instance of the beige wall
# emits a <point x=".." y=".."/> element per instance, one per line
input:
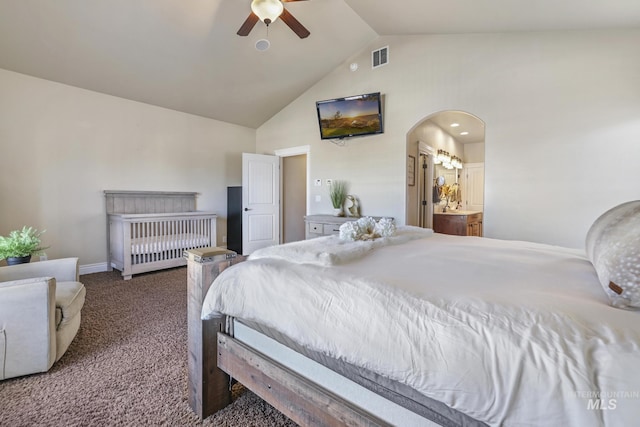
<point x="473" y="153"/>
<point x="61" y="146"/>
<point x="562" y="115"/>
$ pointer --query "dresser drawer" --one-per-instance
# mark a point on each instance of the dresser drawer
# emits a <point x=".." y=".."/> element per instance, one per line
<point x="331" y="229"/>
<point x="326" y="225"/>
<point x="315" y="228"/>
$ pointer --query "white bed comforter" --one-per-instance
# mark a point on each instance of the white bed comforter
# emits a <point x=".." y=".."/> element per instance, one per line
<point x="510" y="333"/>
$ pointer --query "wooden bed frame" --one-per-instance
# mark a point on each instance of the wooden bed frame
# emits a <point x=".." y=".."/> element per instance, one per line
<point x="150" y="230"/>
<point x="215" y="357"/>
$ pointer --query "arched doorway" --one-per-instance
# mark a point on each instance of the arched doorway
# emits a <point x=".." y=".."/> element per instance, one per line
<point x="460" y="134"/>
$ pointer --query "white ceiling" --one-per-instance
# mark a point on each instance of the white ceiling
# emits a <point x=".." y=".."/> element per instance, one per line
<point x="185" y="55"/>
<point x="471" y="126"/>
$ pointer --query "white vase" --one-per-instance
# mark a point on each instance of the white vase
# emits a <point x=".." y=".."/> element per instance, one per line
<point x="338" y="212"/>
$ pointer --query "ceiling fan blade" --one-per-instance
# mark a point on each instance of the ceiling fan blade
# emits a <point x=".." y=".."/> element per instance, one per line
<point x="294" y="24"/>
<point x="248" y="25"/>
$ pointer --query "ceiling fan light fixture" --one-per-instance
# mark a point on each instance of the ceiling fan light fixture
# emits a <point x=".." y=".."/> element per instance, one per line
<point x="267" y="10"/>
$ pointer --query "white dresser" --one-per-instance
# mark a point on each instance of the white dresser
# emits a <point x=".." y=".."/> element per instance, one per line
<point x="325" y="225"/>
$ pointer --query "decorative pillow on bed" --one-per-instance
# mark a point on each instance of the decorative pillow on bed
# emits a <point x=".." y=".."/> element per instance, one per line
<point x="613" y="246"/>
<point x="366" y="228"/>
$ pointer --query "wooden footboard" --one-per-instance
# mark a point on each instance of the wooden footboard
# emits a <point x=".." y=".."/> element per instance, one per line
<point x="305" y="402"/>
<point x="209" y="387"/>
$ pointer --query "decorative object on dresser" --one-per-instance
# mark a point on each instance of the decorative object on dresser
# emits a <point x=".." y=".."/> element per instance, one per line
<point x="338" y="195"/>
<point x="326" y="225"/>
<point x="459" y="223"/>
<point x="150" y="230"/>
<point x="20" y="245"/>
<point x="352" y="206"/>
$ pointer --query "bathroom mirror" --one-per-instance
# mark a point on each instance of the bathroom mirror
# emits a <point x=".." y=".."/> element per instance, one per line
<point x="450" y="176"/>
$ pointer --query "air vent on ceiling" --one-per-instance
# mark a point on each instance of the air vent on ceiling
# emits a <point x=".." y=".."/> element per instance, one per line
<point x="380" y="57"/>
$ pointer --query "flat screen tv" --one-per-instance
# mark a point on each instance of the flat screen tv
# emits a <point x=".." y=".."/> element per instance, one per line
<point x="350" y="116"/>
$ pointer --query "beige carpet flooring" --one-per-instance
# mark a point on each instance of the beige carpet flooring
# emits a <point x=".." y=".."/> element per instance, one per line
<point x="126" y="366"/>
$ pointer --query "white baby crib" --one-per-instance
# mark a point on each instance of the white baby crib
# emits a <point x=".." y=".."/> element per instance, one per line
<point x="150" y="230"/>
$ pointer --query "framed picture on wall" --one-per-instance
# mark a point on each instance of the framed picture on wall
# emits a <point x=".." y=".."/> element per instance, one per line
<point x="411" y="170"/>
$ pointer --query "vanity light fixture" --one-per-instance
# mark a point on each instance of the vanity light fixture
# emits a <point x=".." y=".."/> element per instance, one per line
<point x="447" y="160"/>
<point x="444" y="156"/>
<point x="456" y="162"/>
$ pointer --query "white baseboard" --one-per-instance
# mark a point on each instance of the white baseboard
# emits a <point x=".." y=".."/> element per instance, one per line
<point x="93" y="268"/>
<point x="100" y="267"/>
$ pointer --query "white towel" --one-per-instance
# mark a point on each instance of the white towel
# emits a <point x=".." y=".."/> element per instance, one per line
<point x="330" y="250"/>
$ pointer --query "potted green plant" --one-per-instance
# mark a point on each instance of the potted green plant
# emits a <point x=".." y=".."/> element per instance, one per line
<point x="338" y="194"/>
<point x="20" y="245"/>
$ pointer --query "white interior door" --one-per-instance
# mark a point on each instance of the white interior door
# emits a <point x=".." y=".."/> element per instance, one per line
<point x="260" y="201"/>
<point x="473" y="186"/>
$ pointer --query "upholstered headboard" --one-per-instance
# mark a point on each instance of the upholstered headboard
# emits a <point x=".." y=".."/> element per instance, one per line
<point x="146" y="202"/>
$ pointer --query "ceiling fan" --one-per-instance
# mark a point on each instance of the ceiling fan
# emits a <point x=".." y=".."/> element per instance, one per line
<point x="268" y="11"/>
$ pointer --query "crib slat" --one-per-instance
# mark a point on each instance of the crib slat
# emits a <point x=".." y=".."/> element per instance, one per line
<point x="192" y="228"/>
<point x="158" y="241"/>
<point x="177" y="225"/>
<point x="163" y="232"/>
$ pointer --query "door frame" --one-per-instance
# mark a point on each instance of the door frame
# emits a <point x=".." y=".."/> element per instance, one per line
<point x="426" y="150"/>
<point x="288" y="152"/>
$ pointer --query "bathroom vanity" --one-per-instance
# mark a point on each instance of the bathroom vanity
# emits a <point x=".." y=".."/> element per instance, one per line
<point x="460" y="223"/>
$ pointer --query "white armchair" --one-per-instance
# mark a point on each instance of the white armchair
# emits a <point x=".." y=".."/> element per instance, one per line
<point x="40" y="306"/>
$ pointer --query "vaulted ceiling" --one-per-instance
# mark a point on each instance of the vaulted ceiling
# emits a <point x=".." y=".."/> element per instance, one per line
<point x="185" y="55"/>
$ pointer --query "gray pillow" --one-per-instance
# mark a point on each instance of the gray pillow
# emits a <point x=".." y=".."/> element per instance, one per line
<point x="613" y="246"/>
